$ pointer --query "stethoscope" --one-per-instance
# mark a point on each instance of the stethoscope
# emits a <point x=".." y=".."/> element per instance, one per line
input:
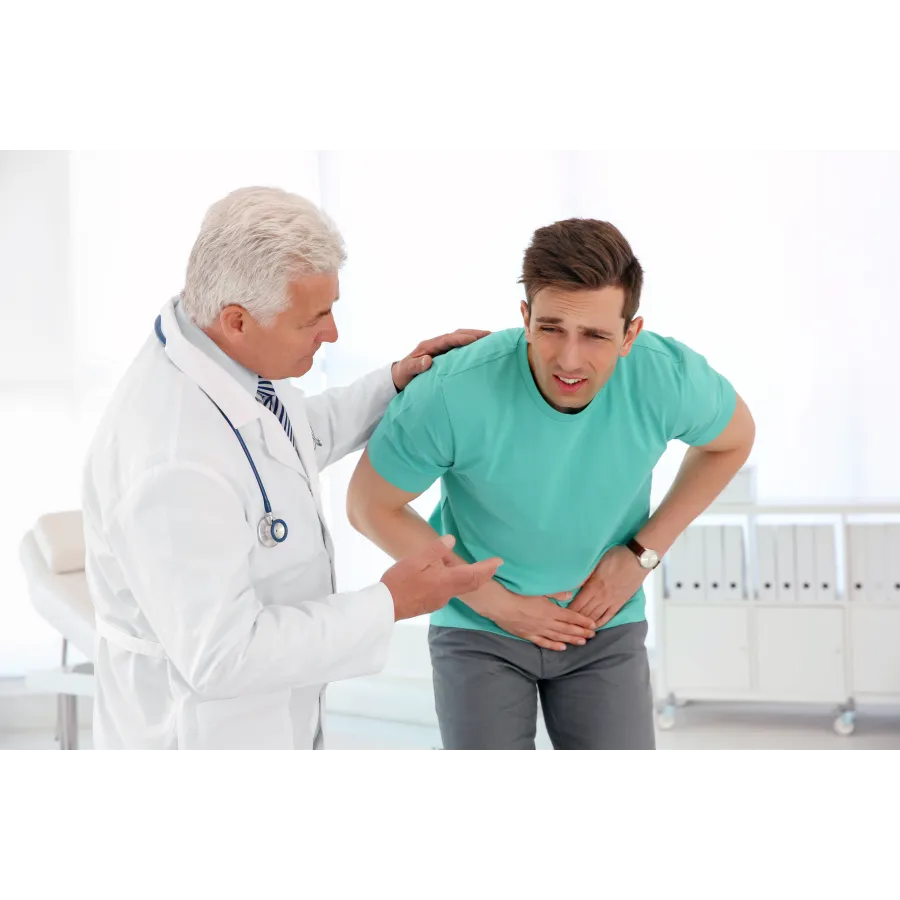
<point x="270" y="531"/>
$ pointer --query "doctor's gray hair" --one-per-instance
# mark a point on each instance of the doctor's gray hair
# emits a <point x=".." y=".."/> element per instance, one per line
<point x="251" y="245"/>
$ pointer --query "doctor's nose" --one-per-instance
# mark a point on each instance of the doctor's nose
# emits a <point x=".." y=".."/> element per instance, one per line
<point x="329" y="333"/>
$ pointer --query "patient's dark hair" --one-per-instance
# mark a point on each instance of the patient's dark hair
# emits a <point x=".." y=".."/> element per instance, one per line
<point x="582" y="254"/>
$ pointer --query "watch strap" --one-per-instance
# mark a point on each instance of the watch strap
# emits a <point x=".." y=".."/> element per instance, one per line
<point x="635" y="548"/>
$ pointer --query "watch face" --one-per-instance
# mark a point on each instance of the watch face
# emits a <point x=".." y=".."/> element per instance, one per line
<point x="649" y="559"/>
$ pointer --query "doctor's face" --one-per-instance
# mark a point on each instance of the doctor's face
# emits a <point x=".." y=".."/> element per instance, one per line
<point x="285" y="347"/>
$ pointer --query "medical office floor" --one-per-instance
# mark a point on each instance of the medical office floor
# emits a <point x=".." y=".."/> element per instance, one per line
<point x="701" y="727"/>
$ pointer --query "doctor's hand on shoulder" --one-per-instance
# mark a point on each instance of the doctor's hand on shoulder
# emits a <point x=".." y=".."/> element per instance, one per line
<point x="426" y="581"/>
<point x="419" y="360"/>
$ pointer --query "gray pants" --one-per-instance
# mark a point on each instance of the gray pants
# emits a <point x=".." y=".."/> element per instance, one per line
<point x="595" y="697"/>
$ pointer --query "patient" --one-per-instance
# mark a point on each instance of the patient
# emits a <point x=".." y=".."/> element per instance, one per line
<point x="544" y="438"/>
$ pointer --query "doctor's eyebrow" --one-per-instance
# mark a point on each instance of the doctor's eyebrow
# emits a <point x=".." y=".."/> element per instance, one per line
<point x="323" y="313"/>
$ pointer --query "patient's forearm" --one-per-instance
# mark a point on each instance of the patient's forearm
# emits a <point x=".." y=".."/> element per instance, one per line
<point x="399" y="532"/>
<point x="402" y="532"/>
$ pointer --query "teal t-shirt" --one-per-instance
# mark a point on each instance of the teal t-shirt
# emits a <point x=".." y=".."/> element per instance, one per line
<point x="549" y="492"/>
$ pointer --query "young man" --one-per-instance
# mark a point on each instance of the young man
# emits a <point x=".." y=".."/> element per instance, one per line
<point x="545" y="439"/>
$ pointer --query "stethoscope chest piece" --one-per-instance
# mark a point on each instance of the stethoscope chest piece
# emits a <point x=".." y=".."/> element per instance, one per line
<point x="271" y="531"/>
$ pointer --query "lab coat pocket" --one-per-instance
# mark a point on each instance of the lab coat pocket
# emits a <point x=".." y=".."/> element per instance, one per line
<point x="297" y="584"/>
<point x="251" y="722"/>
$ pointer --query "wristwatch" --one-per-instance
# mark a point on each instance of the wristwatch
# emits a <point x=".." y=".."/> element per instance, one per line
<point x="649" y="559"/>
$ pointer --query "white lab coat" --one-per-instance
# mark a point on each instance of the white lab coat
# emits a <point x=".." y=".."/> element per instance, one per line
<point x="207" y="639"/>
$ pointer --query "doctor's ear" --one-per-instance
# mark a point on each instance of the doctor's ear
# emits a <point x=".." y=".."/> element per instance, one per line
<point x="233" y="321"/>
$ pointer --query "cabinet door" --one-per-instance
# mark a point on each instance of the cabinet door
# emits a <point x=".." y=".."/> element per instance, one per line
<point x="707" y="648"/>
<point x="875" y="648"/>
<point x="800" y="654"/>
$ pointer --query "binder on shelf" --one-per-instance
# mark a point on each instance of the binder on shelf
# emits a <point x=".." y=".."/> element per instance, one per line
<point x="695" y="568"/>
<point x="856" y="558"/>
<point x="714" y="563"/>
<point x="826" y="563"/>
<point x="676" y="570"/>
<point x="805" y="547"/>
<point x="785" y="564"/>
<point x="892" y="581"/>
<point x="876" y="563"/>
<point x="733" y="556"/>
<point x="765" y="563"/>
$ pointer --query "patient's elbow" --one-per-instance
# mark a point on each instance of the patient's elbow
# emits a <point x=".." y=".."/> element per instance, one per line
<point x="372" y="503"/>
<point x="354" y="512"/>
<point x="358" y="506"/>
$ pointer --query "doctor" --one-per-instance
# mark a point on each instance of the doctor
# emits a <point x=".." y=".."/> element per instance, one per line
<point x="208" y="558"/>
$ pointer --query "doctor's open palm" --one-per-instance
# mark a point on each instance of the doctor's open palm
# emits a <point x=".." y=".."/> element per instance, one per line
<point x="426" y="581"/>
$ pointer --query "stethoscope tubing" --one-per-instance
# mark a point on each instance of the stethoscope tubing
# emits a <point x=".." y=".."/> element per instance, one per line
<point x="265" y="497"/>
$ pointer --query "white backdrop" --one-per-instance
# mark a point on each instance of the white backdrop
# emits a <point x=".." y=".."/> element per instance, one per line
<point x="778" y="267"/>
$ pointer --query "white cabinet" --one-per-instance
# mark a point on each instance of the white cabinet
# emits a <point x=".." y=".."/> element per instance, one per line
<point x="815" y="619"/>
<point x="720" y="640"/>
<point x="875" y="650"/>
<point x="800" y="654"/>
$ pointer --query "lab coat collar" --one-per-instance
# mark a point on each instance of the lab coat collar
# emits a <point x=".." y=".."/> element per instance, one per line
<point x="202" y="341"/>
<point x="239" y="404"/>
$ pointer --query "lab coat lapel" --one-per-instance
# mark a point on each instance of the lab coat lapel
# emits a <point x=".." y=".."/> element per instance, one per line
<point x="279" y="446"/>
<point x="238" y="404"/>
<point x="292" y="398"/>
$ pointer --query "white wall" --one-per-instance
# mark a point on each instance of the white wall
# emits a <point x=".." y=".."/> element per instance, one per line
<point x="37" y="363"/>
<point x="34" y="266"/>
<point x="781" y="268"/>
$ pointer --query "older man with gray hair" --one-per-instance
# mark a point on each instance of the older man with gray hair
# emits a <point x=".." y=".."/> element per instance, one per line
<point x="208" y="557"/>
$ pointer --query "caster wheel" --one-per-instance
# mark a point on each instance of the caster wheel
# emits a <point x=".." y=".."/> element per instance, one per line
<point x="665" y="718"/>
<point x="845" y="724"/>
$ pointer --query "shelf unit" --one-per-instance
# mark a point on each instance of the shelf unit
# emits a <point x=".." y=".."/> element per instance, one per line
<point x="807" y="612"/>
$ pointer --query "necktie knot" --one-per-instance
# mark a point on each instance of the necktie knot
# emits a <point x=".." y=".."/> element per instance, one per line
<point x="264" y="389"/>
<point x="266" y="395"/>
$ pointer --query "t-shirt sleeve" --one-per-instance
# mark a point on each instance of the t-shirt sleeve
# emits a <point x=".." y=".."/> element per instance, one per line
<point x="706" y="400"/>
<point x="413" y="444"/>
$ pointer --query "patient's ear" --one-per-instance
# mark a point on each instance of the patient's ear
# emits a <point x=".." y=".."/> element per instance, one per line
<point x="526" y="317"/>
<point x="631" y="332"/>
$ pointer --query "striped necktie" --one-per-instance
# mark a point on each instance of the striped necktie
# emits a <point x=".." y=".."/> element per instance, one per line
<point x="266" y="395"/>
